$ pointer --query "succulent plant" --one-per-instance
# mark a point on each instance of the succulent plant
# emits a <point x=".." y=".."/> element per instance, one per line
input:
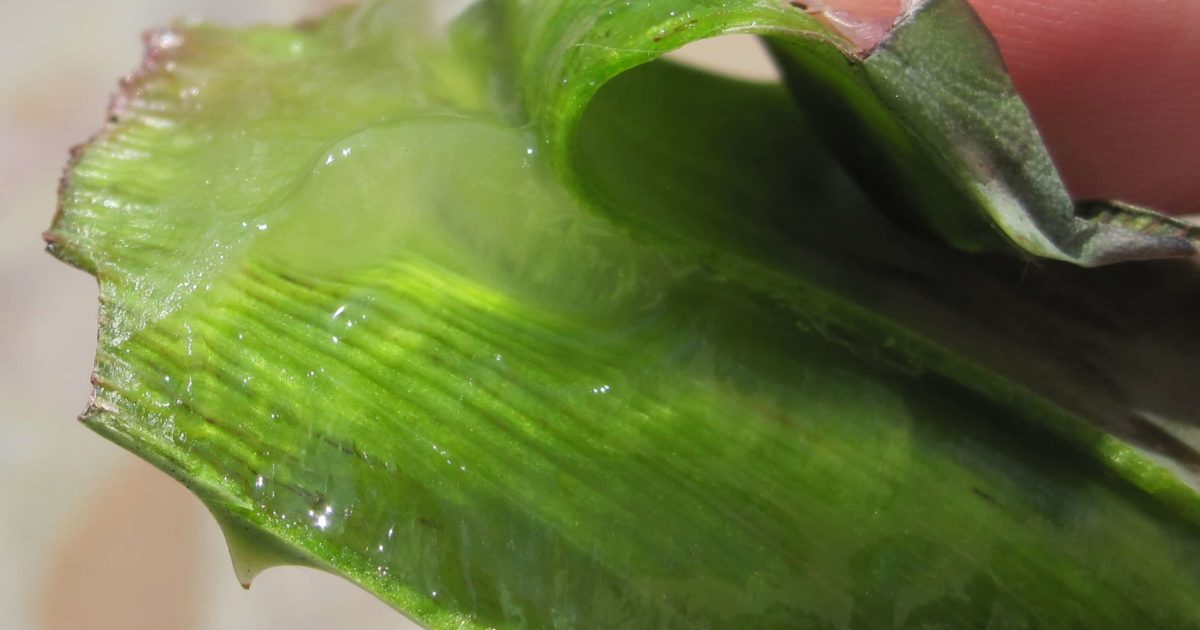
<point x="515" y="325"/>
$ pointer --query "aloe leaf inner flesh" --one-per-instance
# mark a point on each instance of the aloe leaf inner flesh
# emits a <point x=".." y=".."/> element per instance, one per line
<point x="516" y="331"/>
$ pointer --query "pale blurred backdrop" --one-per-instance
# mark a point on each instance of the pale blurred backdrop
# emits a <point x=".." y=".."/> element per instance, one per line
<point x="90" y="536"/>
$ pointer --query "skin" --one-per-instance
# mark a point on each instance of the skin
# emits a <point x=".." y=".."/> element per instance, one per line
<point x="1113" y="85"/>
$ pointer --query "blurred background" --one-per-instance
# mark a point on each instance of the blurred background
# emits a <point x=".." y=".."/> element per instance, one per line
<point x="91" y="537"/>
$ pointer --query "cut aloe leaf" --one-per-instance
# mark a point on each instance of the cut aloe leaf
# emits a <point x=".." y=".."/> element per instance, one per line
<point x="517" y="327"/>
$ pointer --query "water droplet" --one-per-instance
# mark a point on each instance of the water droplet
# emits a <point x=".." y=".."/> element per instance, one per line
<point x="166" y="39"/>
<point x="321" y="520"/>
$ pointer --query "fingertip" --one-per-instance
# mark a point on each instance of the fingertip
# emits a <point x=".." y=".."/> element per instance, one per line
<point x="1113" y="89"/>
<point x="1111" y="84"/>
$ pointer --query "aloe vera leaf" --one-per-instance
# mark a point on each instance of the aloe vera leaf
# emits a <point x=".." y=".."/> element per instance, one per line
<point x="1126" y="370"/>
<point x="1075" y="350"/>
<point x="346" y="300"/>
<point x="929" y="115"/>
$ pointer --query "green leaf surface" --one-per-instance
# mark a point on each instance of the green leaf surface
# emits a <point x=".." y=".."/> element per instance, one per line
<point x="517" y="327"/>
